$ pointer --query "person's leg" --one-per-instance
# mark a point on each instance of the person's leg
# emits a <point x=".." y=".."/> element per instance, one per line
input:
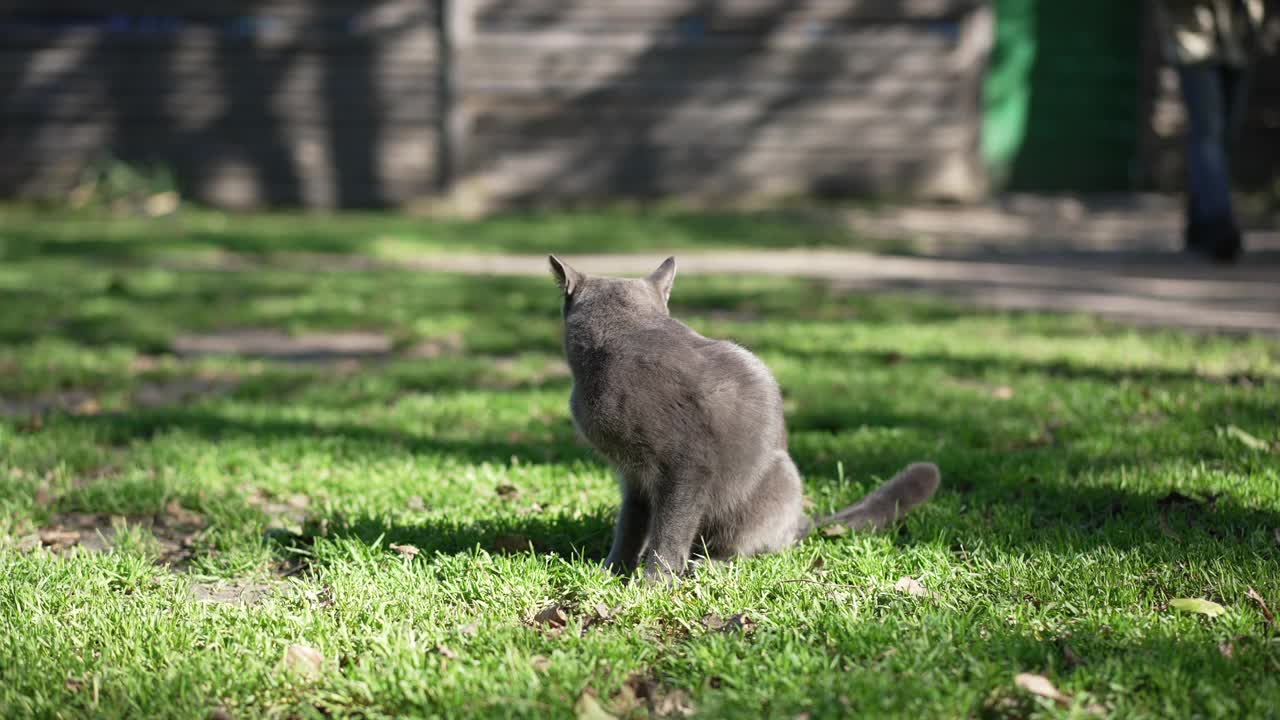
<point x="1202" y="95"/>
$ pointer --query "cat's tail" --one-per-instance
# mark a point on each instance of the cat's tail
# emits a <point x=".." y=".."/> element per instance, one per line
<point x="886" y="504"/>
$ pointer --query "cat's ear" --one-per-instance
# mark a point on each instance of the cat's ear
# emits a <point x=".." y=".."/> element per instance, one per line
<point x="664" y="277"/>
<point x="567" y="278"/>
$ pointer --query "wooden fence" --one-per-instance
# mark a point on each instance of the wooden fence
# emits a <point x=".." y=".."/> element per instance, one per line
<point x="351" y="103"/>
<point x="381" y="102"/>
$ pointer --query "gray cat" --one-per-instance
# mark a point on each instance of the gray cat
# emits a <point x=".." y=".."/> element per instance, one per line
<point x="694" y="428"/>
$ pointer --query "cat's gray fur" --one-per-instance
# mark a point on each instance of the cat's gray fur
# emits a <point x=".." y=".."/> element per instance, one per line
<point x="694" y="428"/>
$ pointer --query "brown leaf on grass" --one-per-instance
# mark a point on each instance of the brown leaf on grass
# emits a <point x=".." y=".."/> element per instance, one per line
<point x="175" y="515"/>
<point x="1250" y="441"/>
<point x="588" y="707"/>
<point x="416" y="503"/>
<point x="303" y="659"/>
<point x="74" y="684"/>
<point x="408" y="552"/>
<point x="469" y="630"/>
<point x="1041" y="686"/>
<point x="1262" y="605"/>
<point x="675" y="702"/>
<point x="1227" y="648"/>
<point x="507" y="491"/>
<point x="446" y="652"/>
<point x="57" y="538"/>
<point x="235" y="592"/>
<point x="541" y="663"/>
<point x="602" y="611"/>
<point x="740" y="623"/>
<point x="734" y="623"/>
<point x="43" y="497"/>
<point x="552" y="616"/>
<point x="88" y="406"/>
<point x="911" y="586"/>
<point x="625" y="701"/>
<point x="1002" y="392"/>
<point x="816" y="566"/>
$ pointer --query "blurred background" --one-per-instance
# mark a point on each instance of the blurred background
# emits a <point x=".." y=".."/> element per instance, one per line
<point x="485" y="104"/>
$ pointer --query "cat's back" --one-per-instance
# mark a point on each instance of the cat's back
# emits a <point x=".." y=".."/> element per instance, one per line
<point x="671" y="374"/>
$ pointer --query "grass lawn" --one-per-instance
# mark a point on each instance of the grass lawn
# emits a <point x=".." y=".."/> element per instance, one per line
<point x="179" y="532"/>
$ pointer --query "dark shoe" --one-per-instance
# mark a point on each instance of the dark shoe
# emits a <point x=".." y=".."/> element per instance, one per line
<point x="1220" y="241"/>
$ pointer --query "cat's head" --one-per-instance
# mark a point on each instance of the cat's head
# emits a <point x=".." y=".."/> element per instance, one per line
<point x="607" y="298"/>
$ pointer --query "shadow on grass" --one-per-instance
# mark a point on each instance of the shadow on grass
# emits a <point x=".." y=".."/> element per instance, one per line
<point x="1014" y="502"/>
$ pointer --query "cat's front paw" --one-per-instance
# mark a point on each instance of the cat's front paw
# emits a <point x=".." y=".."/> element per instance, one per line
<point x="618" y="566"/>
<point x="660" y="573"/>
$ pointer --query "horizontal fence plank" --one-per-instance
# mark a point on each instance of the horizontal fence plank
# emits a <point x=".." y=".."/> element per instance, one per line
<point x="569" y="65"/>
<point x="278" y="37"/>
<point x="197" y="108"/>
<point x="785" y="136"/>
<point x="724" y="13"/>
<point x="892" y="38"/>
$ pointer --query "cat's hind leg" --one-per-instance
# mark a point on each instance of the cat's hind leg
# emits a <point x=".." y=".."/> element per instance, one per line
<point x="772" y="517"/>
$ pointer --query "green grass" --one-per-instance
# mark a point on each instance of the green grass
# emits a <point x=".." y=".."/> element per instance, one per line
<point x="1049" y="549"/>
<point x="31" y="232"/>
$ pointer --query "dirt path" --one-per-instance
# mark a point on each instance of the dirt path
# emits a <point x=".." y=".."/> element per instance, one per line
<point x="1147" y="288"/>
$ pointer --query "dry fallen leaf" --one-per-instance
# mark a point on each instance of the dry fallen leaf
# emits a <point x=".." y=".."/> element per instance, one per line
<point x="1197" y="605"/>
<point x="507" y="491"/>
<point x="43" y="497"/>
<point x="406" y="551"/>
<point x="57" y="538"/>
<point x="446" y="652"/>
<point x="1041" y="686"/>
<point x="1003" y="392"/>
<point x="911" y="586"/>
<point x="1262" y="605"/>
<point x="711" y="621"/>
<point x="541" y="663"/>
<point x="469" y="630"/>
<point x="740" y="623"/>
<point x="588" y="707"/>
<point x="602" y="610"/>
<point x="303" y="659"/>
<point x="416" y="503"/>
<point x="1250" y="441"/>
<point x="175" y="514"/>
<point x="1227" y="648"/>
<point x="675" y="702"/>
<point x="88" y="406"/>
<point x="551" y="616"/>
